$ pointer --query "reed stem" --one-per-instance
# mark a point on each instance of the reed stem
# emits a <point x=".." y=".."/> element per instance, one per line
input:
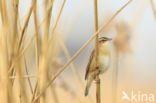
<point x="98" y="99"/>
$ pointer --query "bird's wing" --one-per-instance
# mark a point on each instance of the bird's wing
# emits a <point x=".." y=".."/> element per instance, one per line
<point x="88" y="66"/>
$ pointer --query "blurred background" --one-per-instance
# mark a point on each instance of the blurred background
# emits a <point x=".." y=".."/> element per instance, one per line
<point x="136" y="54"/>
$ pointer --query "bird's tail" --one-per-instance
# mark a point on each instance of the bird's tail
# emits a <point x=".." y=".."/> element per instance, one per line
<point x="86" y="90"/>
<point x="87" y="87"/>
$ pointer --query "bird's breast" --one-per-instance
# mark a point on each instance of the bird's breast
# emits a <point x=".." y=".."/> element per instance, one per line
<point x="104" y="62"/>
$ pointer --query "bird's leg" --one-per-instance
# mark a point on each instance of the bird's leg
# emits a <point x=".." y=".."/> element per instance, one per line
<point x="97" y="70"/>
<point x="97" y="73"/>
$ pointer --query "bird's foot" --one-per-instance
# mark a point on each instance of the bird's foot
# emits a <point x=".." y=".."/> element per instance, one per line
<point x="97" y="70"/>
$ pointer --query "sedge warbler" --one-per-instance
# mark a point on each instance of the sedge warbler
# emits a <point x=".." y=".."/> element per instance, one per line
<point x="103" y="62"/>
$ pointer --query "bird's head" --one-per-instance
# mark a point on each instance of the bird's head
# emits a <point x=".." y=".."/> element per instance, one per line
<point x="103" y="41"/>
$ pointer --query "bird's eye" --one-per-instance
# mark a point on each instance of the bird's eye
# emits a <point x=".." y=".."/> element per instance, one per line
<point x="103" y="41"/>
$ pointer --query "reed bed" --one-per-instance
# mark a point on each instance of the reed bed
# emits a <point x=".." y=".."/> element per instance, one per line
<point x="37" y="83"/>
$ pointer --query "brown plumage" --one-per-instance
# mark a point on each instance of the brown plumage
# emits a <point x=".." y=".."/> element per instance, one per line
<point x="104" y="61"/>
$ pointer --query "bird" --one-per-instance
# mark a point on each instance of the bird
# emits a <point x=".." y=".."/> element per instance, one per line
<point x="103" y="62"/>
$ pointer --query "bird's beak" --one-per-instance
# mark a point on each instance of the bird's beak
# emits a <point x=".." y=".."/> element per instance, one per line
<point x="109" y="39"/>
